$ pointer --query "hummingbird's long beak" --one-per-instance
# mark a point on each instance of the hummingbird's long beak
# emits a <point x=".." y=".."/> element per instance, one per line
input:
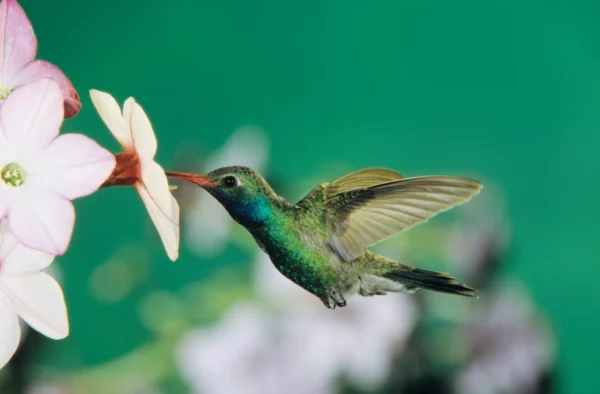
<point x="197" y="179"/>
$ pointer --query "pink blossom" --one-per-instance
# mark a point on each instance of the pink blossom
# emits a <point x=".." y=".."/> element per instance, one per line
<point x="40" y="171"/>
<point x="18" y="67"/>
<point x="27" y="292"/>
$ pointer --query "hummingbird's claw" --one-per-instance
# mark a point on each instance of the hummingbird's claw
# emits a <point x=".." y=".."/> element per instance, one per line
<point x="338" y="298"/>
<point x="328" y="302"/>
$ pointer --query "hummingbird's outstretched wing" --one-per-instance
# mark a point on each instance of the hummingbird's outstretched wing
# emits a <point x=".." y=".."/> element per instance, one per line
<point x="361" y="216"/>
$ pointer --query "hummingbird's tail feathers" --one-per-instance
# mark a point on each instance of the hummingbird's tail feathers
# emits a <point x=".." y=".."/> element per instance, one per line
<point x="430" y="280"/>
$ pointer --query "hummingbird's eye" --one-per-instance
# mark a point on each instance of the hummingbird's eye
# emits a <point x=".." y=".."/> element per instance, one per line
<point x="229" y="181"/>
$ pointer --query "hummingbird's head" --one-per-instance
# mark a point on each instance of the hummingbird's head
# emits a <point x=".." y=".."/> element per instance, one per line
<point x="243" y="192"/>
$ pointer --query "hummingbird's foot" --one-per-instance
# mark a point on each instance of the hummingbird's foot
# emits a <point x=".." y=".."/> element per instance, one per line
<point x="333" y="299"/>
<point x="328" y="302"/>
<point x="338" y="298"/>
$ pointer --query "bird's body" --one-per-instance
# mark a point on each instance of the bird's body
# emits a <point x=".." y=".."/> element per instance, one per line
<point x="320" y="243"/>
<point x="296" y="241"/>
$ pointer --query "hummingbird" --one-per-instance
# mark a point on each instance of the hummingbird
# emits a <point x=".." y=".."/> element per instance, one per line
<point x="321" y="242"/>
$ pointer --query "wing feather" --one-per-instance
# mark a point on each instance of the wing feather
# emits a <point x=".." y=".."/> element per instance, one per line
<point x="359" y="218"/>
<point x="360" y="179"/>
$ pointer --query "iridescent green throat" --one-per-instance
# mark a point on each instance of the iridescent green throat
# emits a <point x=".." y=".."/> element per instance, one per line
<point x="13" y="175"/>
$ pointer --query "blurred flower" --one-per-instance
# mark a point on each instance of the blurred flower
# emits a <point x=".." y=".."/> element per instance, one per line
<point x="137" y="167"/>
<point x="479" y="238"/>
<point x="18" y="47"/>
<point x="297" y="347"/>
<point x="209" y="226"/>
<point x="27" y="292"/>
<point x="510" y="346"/>
<point x="42" y="171"/>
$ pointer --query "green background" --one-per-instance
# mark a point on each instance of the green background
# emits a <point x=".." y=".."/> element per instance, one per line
<point x="508" y="91"/>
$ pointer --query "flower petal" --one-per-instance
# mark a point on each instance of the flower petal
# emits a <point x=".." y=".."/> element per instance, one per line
<point x="17" y="40"/>
<point x="162" y="207"/>
<point x="17" y="258"/>
<point x="109" y="111"/>
<point x="40" y="69"/>
<point x="11" y="332"/>
<point x="42" y="220"/>
<point x="73" y="166"/>
<point x="39" y="300"/>
<point x="144" y="139"/>
<point x="32" y="115"/>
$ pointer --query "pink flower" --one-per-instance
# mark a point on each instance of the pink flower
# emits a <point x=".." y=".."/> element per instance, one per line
<point x="136" y="166"/>
<point x="27" y="292"/>
<point x="40" y="171"/>
<point x="18" y="47"/>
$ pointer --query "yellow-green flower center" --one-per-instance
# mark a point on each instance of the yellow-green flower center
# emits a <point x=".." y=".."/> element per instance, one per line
<point x="13" y="174"/>
<point x="4" y="92"/>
